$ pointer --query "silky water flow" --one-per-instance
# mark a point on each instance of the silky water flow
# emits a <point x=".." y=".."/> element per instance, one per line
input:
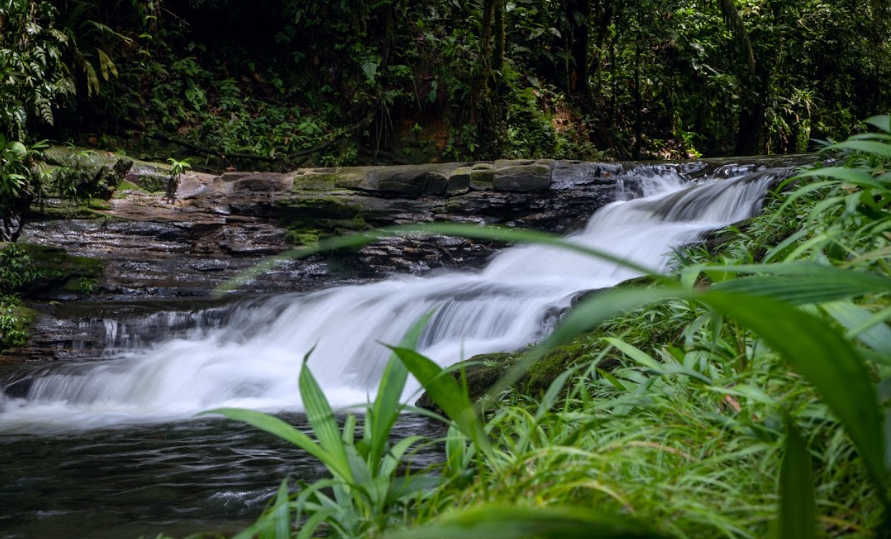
<point x="253" y="360"/>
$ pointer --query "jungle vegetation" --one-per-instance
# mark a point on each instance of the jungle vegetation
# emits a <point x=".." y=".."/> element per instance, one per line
<point x="747" y="394"/>
<point x="315" y="82"/>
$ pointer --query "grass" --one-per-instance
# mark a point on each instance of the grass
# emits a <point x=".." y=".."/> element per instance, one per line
<point x="744" y="397"/>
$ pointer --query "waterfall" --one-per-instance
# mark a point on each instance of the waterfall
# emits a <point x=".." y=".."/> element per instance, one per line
<point x="252" y="358"/>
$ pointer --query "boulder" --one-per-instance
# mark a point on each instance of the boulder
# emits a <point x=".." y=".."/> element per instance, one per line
<point x="415" y="181"/>
<point x="87" y="172"/>
<point x="459" y="181"/>
<point x="264" y="182"/>
<point x="523" y="178"/>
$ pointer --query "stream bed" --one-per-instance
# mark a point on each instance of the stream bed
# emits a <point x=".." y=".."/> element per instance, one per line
<point x="203" y="475"/>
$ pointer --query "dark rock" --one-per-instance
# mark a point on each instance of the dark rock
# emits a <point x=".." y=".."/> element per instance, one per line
<point x="264" y="182"/>
<point x="89" y="172"/>
<point x="523" y="178"/>
<point x="415" y="180"/>
<point x="459" y="181"/>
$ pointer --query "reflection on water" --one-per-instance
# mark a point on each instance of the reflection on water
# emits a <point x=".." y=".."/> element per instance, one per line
<point x="203" y="475"/>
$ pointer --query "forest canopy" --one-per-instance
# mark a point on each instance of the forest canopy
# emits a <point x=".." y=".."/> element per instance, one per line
<point x="411" y="81"/>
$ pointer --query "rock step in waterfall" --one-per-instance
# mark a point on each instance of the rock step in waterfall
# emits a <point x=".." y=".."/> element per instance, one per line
<point x="251" y="356"/>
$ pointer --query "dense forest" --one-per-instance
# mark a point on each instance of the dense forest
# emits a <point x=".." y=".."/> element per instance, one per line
<point x="708" y="356"/>
<point x="406" y="81"/>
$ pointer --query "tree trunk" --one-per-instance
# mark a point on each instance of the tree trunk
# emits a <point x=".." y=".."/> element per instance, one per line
<point x="498" y="52"/>
<point x="578" y="13"/>
<point x="751" y="113"/>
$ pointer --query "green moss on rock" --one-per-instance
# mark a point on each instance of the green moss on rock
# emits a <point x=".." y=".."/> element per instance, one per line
<point x="52" y="271"/>
<point x="311" y="218"/>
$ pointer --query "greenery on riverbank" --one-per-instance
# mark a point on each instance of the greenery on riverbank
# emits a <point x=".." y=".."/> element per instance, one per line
<point x="749" y="401"/>
<point x="284" y="82"/>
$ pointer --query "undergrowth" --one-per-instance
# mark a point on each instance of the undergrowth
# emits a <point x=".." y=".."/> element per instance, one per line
<point x="742" y="397"/>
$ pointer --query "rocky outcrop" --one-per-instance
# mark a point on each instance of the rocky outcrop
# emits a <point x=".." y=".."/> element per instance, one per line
<point x="219" y="226"/>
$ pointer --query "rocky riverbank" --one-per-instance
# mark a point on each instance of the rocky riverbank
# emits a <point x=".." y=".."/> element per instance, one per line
<point x="150" y="246"/>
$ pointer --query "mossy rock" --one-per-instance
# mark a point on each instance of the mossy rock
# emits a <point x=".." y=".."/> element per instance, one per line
<point x="86" y="172"/>
<point x="153" y="183"/>
<point x="482" y="372"/>
<point x="58" y="273"/>
<point x="312" y="218"/>
<point x="127" y="186"/>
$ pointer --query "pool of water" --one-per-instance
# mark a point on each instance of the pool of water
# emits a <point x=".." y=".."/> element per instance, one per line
<point x="205" y="475"/>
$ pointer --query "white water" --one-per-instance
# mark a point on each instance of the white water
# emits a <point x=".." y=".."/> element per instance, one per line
<point x="254" y="360"/>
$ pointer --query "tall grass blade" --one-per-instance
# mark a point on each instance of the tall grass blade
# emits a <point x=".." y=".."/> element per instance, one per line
<point x="447" y="394"/>
<point x="322" y="420"/>
<point x="798" y="506"/>
<point x="881" y="122"/>
<point x="385" y="410"/>
<point x="826" y="360"/>
<point x="279" y="428"/>
<point x="513" y="522"/>
<point x="281" y="515"/>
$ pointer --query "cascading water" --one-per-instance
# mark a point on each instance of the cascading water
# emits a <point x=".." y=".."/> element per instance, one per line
<point x="253" y="360"/>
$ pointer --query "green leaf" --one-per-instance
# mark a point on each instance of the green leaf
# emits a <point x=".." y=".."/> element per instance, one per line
<point x="865" y="146"/>
<point x="553" y="392"/>
<point x="798" y="506"/>
<point x="281" y="514"/>
<point x="636" y="354"/>
<point x="803" y="290"/>
<point x="612" y="380"/>
<point x="847" y="175"/>
<point x="818" y="352"/>
<point x="513" y="522"/>
<point x="850" y="316"/>
<point x="447" y="394"/>
<point x="17" y="148"/>
<point x="882" y="122"/>
<point x="385" y="411"/>
<point x="322" y="419"/>
<point x="277" y="427"/>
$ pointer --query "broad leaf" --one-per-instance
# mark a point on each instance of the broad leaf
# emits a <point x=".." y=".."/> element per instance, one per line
<point x="514" y="522"/>
<point x="447" y="394"/>
<point x="386" y="407"/>
<point x="798" y="506"/>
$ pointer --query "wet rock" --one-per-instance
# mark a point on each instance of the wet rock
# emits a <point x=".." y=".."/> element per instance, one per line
<point x="415" y="180"/>
<point x="459" y="181"/>
<point x="89" y="172"/>
<point x="263" y="182"/>
<point x="523" y="178"/>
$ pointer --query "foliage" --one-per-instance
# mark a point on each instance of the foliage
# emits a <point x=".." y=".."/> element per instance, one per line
<point x="753" y="409"/>
<point x="291" y="82"/>
<point x="366" y="492"/>
<point x="33" y="77"/>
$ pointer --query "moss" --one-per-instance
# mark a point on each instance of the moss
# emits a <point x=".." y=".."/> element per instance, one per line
<point x="153" y="183"/>
<point x="308" y="238"/>
<point x="309" y="219"/>
<point x="126" y="185"/>
<point x="54" y="271"/>
<point x="97" y="204"/>
<point x="87" y="209"/>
